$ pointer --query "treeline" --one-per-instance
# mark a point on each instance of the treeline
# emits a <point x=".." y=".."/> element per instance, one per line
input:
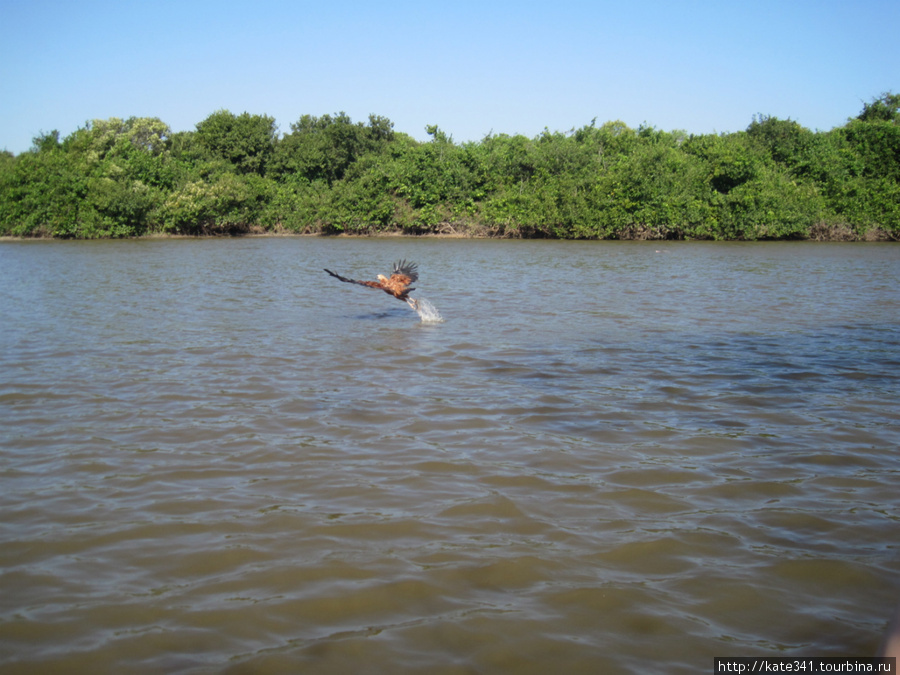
<point x="236" y="174"/>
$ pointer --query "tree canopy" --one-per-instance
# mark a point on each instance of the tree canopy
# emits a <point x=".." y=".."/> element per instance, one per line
<point x="235" y="174"/>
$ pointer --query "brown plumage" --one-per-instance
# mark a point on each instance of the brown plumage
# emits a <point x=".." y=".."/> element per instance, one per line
<point x="398" y="284"/>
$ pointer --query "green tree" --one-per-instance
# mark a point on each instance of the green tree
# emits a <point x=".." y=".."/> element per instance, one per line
<point x="227" y="204"/>
<point x="731" y="160"/>
<point x="658" y="191"/>
<point x="324" y="148"/>
<point x="246" y="141"/>
<point x="885" y="108"/>
<point x="41" y="193"/>
<point x="45" y="142"/>
<point x="785" y="140"/>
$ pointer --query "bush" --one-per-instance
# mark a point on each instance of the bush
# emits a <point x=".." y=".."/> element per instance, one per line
<point x="777" y="179"/>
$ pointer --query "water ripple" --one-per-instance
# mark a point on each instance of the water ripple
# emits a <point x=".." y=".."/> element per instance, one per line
<point x="206" y="471"/>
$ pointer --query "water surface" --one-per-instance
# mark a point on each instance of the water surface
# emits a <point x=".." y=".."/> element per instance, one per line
<point x="609" y="457"/>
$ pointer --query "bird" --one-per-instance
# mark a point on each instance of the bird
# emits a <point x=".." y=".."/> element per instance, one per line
<point x="398" y="284"/>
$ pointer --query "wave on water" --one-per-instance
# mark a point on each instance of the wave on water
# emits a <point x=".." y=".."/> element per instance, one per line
<point x="427" y="312"/>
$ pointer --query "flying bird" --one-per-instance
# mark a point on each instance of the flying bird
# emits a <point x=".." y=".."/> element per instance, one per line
<point x="398" y="284"/>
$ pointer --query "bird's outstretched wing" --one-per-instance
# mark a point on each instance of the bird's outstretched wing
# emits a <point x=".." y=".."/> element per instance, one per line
<point x="370" y="284"/>
<point x="409" y="270"/>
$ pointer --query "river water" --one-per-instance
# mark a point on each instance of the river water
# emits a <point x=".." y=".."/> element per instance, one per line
<point x="607" y="457"/>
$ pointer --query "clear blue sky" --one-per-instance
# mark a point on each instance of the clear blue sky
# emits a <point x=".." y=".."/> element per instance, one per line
<point x="472" y="68"/>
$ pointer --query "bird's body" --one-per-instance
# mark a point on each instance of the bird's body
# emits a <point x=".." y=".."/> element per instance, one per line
<point x="398" y="284"/>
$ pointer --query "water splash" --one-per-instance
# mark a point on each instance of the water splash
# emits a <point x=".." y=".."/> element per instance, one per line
<point x="428" y="312"/>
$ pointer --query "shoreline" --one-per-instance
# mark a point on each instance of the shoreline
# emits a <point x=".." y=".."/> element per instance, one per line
<point x="874" y="235"/>
<point x="821" y="231"/>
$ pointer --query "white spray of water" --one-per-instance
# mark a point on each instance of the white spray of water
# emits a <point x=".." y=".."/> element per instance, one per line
<point x="428" y="312"/>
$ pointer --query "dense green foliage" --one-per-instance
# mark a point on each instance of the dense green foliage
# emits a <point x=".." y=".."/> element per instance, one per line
<point x="236" y="174"/>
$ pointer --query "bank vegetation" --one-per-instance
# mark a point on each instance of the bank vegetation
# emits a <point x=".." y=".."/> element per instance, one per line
<point x="236" y="174"/>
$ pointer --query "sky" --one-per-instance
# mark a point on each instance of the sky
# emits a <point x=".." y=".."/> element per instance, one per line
<point x="472" y="68"/>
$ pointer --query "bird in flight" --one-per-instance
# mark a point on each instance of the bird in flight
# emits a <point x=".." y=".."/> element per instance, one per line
<point x="398" y="284"/>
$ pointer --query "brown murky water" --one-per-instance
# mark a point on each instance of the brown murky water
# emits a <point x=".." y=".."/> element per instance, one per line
<point x="609" y="457"/>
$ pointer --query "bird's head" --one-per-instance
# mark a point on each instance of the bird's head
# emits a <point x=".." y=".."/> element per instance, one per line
<point x="382" y="278"/>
